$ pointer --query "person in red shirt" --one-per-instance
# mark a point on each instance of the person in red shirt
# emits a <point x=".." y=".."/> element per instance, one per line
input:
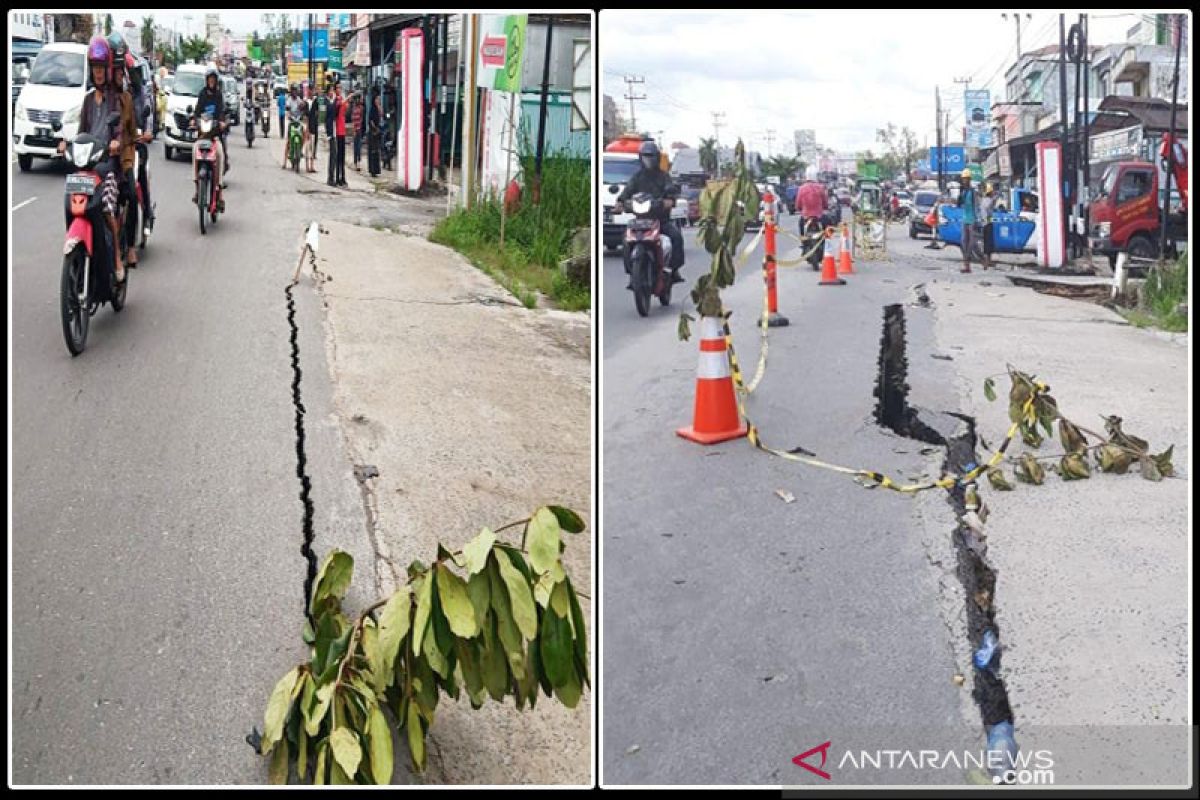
<point x="810" y="199"/>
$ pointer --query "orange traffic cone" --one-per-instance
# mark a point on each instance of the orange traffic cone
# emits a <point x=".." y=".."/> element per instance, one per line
<point x="845" y="262"/>
<point x="828" y="268"/>
<point x="715" y="418"/>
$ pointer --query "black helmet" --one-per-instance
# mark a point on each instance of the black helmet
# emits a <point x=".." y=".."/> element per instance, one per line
<point x="649" y="155"/>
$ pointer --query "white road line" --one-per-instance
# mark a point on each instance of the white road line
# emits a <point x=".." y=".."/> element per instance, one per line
<point x="23" y="203"/>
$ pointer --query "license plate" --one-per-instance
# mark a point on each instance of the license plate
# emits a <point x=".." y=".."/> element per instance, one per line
<point x="80" y="184"/>
<point x="642" y="224"/>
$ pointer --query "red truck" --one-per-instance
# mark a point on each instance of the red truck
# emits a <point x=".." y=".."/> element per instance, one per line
<point x="1127" y="214"/>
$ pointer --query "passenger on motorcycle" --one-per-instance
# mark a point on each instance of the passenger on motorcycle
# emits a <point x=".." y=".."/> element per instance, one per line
<point x="126" y="178"/>
<point x="143" y="109"/>
<point x="210" y="102"/>
<point x="94" y="116"/>
<point x="296" y="109"/>
<point x="651" y="179"/>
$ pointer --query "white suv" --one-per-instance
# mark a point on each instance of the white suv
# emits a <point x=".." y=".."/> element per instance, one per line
<point x="54" y="93"/>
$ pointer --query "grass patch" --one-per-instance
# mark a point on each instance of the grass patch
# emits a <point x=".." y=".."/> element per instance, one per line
<point x="1161" y="295"/>
<point x="536" y="237"/>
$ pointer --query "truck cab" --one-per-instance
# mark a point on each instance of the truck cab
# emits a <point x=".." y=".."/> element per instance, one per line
<point x="1127" y="213"/>
<point x="1014" y="230"/>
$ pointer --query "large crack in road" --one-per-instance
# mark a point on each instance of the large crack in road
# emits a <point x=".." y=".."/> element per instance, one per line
<point x="301" y="455"/>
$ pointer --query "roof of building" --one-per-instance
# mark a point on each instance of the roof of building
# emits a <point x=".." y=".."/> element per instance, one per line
<point x="1150" y="112"/>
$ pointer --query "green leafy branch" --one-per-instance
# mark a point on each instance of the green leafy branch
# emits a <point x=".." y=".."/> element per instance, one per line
<point x="1114" y="452"/>
<point x="509" y="624"/>
<point x="733" y="201"/>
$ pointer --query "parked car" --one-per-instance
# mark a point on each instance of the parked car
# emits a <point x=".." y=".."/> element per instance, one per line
<point x="233" y="100"/>
<point x="53" y="94"/>
<point x="922" y="203"/>
<point x="177" y="133"/>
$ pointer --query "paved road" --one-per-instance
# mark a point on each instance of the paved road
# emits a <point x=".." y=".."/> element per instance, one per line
<point x="740" y="631"/>
<point x="156" y="526"/>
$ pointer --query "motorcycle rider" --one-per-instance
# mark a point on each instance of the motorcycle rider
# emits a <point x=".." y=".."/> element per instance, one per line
<point x="125" y="178"/>
<point x="295" y="112"/>
<point x="143" y="108"/>
<point x="810" y="200"/>
<point x="94" y="116"/>
<point x="651" y="179"/>
<point x="210" y="101"/>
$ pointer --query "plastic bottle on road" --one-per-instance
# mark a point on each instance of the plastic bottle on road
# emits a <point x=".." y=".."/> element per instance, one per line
<point x="1002" y="750"/>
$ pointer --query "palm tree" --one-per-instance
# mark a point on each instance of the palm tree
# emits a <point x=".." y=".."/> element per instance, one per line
<point x="708" y="156"/>
<point x="107" y="24"/>
<point x="783" y="166"/>
<point x="148" y="36"/>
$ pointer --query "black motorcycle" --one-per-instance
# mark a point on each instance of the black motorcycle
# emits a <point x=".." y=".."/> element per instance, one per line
<point x="387" y="150"/>
<point x="648" y="253"/>
<point x="812" y="235"/>
<point x="251" y="118"/>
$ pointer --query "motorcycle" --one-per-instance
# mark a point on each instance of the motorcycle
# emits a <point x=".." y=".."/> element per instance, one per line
<point x="294" y="141"/>
<point x="209" y="198"/>
<point x="88" y="273"/>
<point x="266" y="122"/>
<point x="387" y="150"/>
<point x="648" y="253"/>
<point x="812" y="235"/>
<point x="144" y="221"/>
<point x="251" y="118"/>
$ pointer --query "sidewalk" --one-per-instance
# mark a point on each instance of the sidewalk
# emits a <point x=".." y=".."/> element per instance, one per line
<point x="474" y="411"/>
<point x="1092" y="587"/>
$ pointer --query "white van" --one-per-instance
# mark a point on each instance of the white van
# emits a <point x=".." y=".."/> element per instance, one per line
<point x="189" y="80"/>
<point x="55" y="91"/>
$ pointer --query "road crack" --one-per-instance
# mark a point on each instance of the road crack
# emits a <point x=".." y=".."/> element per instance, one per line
<point x="301" y="455"/>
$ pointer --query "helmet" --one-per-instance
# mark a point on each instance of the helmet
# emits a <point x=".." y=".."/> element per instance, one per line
<point x="117" y="42"/>
<point x="648" y="154"/>
<point x="212" y="71"/>
<point x="133" y="66"/>
<point x="966" y="173"/>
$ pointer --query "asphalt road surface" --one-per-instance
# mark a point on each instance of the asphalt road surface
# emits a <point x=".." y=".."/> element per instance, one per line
<point x="157" y="578"/>
<point x="739" y="630"/>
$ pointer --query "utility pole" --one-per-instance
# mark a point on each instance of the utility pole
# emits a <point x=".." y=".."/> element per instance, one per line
<point x="1017" y="19"/>
<point x="937" y="95"/>
<point x="717" y="125"/>
<point x="1162" y="241"/>
<point x="770" y="138"/>
<point x="1062" y="115"/>
<point x="1087" y="131"/>
<point x="631" y="81"/>
<point x="537" y="184"/>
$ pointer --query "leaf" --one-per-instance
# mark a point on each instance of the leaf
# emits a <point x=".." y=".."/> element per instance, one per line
<point x="578" y="623"/>
<point x="494" y="663"/>
<point x="568" y="520"/>
<point x="434" y="654"/>
<point x="1030" y="435"/>
<point x="480" y="593"/>
<point x="997" y="480"/>
<point x="456" y="603"/>
<point x="334" y="577"/>
<point x="555" y="650"/>
<point x="379" y="735"/>
<point x="472" y="672"/>
<point x="1072" y="440"/>
<point x="277" y="774"/>
<point x="319" y="775"/>
<point x="1074" y="467"/>
<point x="543" y="540"/>
<point x="1114" y="459"/>
<point x="684" y="331"/>
<point x="989" y="389"/>
<point x="346" y="750"/>
<point x="560" y="603"/>
<point x="570" y="691"/>
<point x="416" y="739"/>
<point x="277" y="709"/>
<point x="393" y="627"/>
<point x="523" y="611"/>
<point x="370" y="648"/>
<point x="506" y="626"/>
<point x="1029" y="470"/>
<point x="334" y="656"/>
<point x="424" y="591"/>
<point x="1163" y="462"/>
<point x="338" y="776"/>
<point x="1150" y="470"/>
<point x="476" y="551"/>
<point x="323" y="698"/>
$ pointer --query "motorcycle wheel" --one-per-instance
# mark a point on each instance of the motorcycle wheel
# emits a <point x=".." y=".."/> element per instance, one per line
<point x="664" y="297"/>
<point x="202" y="201"/>
<point x="117" y="297"/>
<point x="642" y="282"/>
<point x="75" y="316"/>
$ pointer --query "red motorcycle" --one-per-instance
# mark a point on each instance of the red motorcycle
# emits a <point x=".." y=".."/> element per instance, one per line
<point x="647" y="253"/>
<point x="89" y="255"/>
<point x="209" y="197"/>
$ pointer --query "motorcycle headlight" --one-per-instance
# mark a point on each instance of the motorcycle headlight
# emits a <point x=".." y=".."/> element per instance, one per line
<point x="80" y="153"/>
<point x="71" y="117"/>
<point x="641" y="206"/>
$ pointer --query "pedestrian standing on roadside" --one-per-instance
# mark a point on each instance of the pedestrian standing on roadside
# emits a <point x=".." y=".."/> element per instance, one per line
<point x="330" y="113"/>
<point x="986" y="205"/>
<point x="312" y="114"/>
<point x="281" y="107"/>
<point x="356" y="122"/>
<point x="339" y="127"/>
<point x="968" y="201"/>
<point x="374" y="121"/>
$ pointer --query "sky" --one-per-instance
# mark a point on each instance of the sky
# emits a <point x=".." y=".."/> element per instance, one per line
<point x="842" y="74"/>
<point x="239" y="22"/>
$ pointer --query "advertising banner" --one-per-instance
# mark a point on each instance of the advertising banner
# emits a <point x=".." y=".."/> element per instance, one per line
<point x="501" y="51"/>
<point x="952" y="159"/>
<point x="979" y="117"/>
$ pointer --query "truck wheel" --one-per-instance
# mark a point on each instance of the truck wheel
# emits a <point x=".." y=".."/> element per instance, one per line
<point x="1141" y="246"/>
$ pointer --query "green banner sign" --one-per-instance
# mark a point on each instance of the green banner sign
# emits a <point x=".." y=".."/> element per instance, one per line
<point x="254" y="52"/>
<point x="335" y="59"/>
<point x="976" y="174"/>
